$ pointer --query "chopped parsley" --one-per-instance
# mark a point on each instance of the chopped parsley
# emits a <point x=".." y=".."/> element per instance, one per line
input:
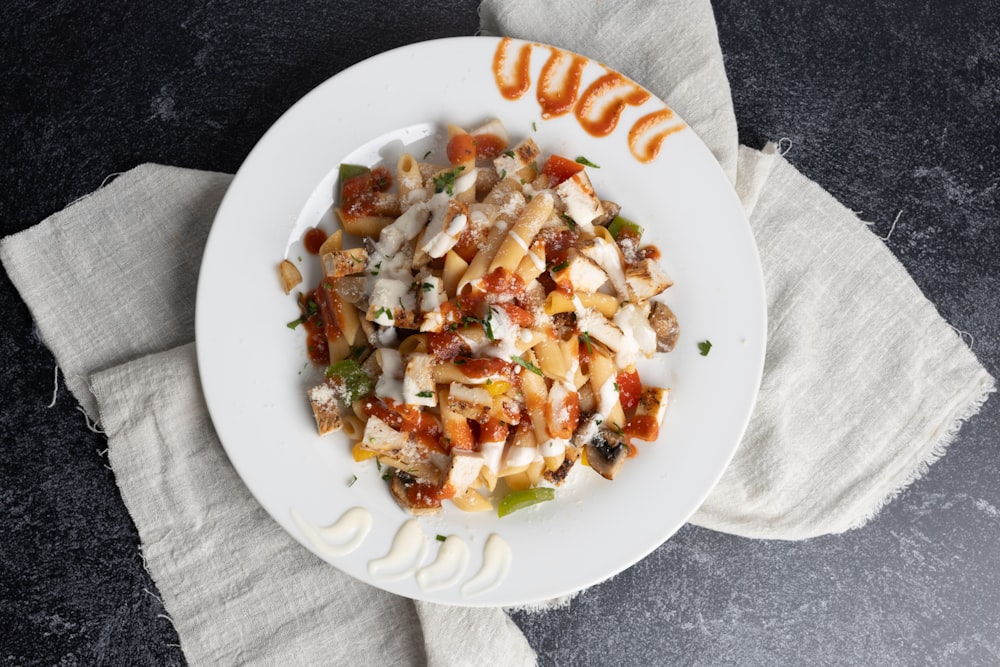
<point x="425" y="394"/>
<point x="509" y="153"/>
<point x="427" y="287"/>
<point x="524" y="363"/>
<point x="560" y="266"/>
<point x="585" y="337"/>
<point x="570" y="222"/>
<point x="427" y="154"/>
<point x="383" y="310"/>
<point x="587" y="163"/>
<point x="375" y="269"/>
<point x="445" y="181"/>
<point x="354" y="478"/>
<point x="488" y="324"/>
<point x="440" y="538"/>
<point x="309" y="309"/>
<point x="704" y="347"/>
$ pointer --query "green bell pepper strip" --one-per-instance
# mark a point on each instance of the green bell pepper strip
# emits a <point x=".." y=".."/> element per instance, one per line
<point x="518" y="500"/>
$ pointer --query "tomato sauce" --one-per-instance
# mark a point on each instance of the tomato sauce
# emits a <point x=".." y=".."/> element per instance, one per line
<point x="559" y="169"/>
<point x="643" y="142"/>
<point x="642" y="427"/>
<point x="488" y="146"/>
<point x="493" y="430"/>
<point x="511" y="72"/>
<point x="316" y="344"/>
<point x="359" y="195"/>
<point x="503" y="283"/>
<point x="461" y="149"/>
<point x="423" y="495"/>
<point x="559" y="83"/>
<point x="600" y="107"/>
<point x="629" y="390"/>
<point x="445" y="345"/>
<point x="602" y="104"/>
<point x="480" y="368"/>
<point x="313" y="240"/>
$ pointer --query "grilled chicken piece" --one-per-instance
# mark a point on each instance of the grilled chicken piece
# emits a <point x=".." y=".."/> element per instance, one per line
<point x="647" y="279"/>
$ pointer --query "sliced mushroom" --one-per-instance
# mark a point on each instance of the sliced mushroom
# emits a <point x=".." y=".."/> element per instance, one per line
<point x="611" y="209"/>
<point x="606" y="452"/>
<point x="664" y="323"/>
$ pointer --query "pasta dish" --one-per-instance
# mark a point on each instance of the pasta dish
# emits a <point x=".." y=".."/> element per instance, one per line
<point x="479" y="319"/>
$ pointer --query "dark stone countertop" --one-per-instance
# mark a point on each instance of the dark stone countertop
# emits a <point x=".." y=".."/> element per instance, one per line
<point x="892" y="106"/>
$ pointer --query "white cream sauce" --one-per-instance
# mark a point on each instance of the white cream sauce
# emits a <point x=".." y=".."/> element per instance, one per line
<point x="339" y="538"/>
<point x="408" y="550"/>
<point x="496" y="565"/>
<point x="449" y="566"/>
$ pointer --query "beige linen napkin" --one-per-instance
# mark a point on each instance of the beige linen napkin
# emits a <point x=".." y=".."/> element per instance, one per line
<point x="864" y="384"/>
<point x="111" y="284"/>
<point x="842" y="423"/>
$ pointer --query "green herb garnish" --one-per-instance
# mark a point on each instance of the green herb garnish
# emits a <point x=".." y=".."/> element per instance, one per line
<point x="587" y="163"/>
<point x="520" y="361"/>
<point x="440" y="538"/>
<point x="425" y="394"/>
<point x="445" y="182"/>
<point x="488" y="324"/>
<point x="704" y="346"/>
<point x="585" y="337"/>
<point x="309" y="309"/>
<point x="354" y="379"/>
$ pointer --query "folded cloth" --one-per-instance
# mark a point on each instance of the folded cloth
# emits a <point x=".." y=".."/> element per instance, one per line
<point x="864" y="384"/>
<point x="238" y="588"/>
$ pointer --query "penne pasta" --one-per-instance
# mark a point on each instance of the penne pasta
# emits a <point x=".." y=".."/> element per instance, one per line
<point x="480" y="332"/>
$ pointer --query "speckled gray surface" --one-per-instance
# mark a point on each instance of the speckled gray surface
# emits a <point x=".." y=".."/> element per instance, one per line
<point x="890" y="106"/>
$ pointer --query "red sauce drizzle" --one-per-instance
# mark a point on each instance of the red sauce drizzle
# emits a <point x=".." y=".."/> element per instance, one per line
<point x="614" y="87"/>
<point x="643" y="142"/>
<point x="513" y="79"/>
<point x="558" y="83"/>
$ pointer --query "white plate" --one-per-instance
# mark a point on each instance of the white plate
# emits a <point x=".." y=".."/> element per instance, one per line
<point x="254" y="369"/>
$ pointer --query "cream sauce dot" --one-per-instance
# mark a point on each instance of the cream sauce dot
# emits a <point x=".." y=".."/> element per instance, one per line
<point x="340" y="538"/>
<point x="447" y="568"/>
<point x="408" y="550"/>
<point x="496" y="565"/>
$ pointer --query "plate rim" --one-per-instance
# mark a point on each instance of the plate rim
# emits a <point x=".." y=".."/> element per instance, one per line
<point x="231" y="196"/>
